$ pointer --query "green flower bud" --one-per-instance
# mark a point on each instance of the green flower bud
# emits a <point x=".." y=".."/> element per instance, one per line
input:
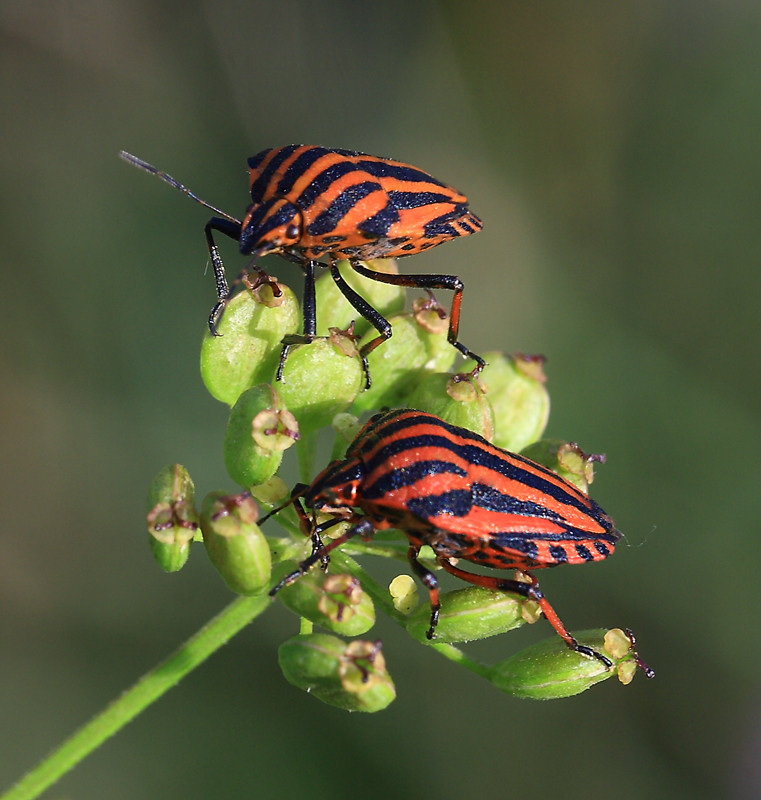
<point x="468" y="614"/>
<point x="418" y="346"/>
<point x="461" y="402"/>
<point x="334" y="601"/>
<point x="272" y="492"/>
<point x="321" y="379"/>
<point x="404" y="593"/>
<point x="236" y="546"/>
<point x="349" y="676"/>
<point x="248" y="351"/>
<point x="334" y="310"/>
<point x="172" y="518"/>
<point x="567" y="459"/>
<point x="620" y="646"/>
<point x="516" y="389"/>
<point x="550" y="669"/>
<point x="259" y="429"/>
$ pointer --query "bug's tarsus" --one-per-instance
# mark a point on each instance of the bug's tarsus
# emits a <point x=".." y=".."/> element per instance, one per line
<point x="589" y="652"/>
<point x="551" y="616"/>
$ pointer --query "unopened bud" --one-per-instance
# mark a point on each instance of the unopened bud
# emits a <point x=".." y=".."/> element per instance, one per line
<point x="334" y="601"/>
<point x="350" y="676"/>
<point x="567" y="459"/>
<point x="515" y="386"/>
<point x="236" y="546"/>
<point x="172" y="518"/>
<point x="258" y="430"/>
<point x="455" y="399"/>
<point x="271" y="492"/>
<point x="550" y="669"/>
<point x="319" y="381"/>
<point x="404" y="593"/>
<point x="346" y="426"/>
<point x="248" y="350"/>
<point x="468" y="614"/>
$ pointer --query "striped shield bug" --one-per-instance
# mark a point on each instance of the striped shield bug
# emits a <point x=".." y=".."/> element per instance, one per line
<point x="449" y="488"/>
<point x="310" y="202"/>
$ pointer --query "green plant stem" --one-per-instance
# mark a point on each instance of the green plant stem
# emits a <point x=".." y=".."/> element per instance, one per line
<point x="148" y="689"/>
<point x="455" y="654"/>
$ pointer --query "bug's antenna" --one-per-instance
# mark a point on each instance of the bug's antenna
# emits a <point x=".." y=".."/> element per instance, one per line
<point x="144" y="165"/>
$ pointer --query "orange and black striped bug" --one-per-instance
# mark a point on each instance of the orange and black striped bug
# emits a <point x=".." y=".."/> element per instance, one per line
<point x="310" y="202"/>
<point x="449" y="488"/>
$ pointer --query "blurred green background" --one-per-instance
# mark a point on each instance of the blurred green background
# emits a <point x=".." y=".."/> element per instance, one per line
<point x="612" y="150"/>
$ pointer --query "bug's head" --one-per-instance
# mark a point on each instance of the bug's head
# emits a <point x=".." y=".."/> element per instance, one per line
<point x="336" y="487"/>
<point x="270" y="227"/>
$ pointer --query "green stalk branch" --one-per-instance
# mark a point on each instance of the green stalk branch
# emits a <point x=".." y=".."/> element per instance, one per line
<point x="148" y="689"/>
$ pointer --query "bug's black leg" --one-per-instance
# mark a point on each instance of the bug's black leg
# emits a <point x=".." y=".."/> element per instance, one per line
<point x="428" y="579"/>
<point x="231" y="229"/>
<point x="363" y="528"/>
<point x="310" y="316"/>
<point x="380" y="323"/>
<point x="317" y="543"/>
<point x="429" y="282"/>
<point x="532" y="592"/>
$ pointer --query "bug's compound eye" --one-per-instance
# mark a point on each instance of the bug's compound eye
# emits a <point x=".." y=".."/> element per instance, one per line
<point x="269" y="227"/>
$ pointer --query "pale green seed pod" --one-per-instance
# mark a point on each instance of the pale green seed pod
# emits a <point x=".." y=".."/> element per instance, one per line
<point x="515" y="386"/>
<point x="418" y="346"/>
<point x="321" y="379"/>
<point x="259" y="429"/>
<point x="468" y="614"/>
<point x="460" y="402"/>
<point x="335" y="311"/>
<point x="236" y="546"/>
<point x="350" y="676"/>
<point x="334" y="601"/>
<point x="550" y="669"/>
<point x="172" y="517"/>
<point x="248" y="351"/>
<point x="567" y="459"/>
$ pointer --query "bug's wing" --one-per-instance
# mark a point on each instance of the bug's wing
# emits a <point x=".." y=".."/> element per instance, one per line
<point x="502" y="530"/>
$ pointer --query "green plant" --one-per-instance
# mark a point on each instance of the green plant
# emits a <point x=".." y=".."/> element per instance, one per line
<point x="322" y="390"/>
